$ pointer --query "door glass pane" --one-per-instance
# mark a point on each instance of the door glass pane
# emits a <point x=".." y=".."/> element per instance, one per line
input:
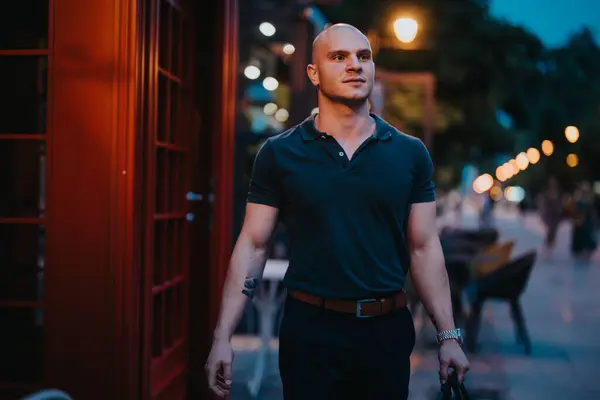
<point x="21" y="345"/>
<point x="175" y="113"/>
<point x="160" y="250"/>
<point x="23" y="24"/>
<point x="175" y="184"/>
<point x="163" y="99"/>
<point x="169" y="317"/>
<point x="158" y="326"/>
<point x="176" y="43"/>
<point x="174" y="242"/>
<point x="162" y="165"/>
<point x="21" y="268"/>
<point x="23" y="81"/>
<point x="164" y="32"/>
<point x="22" y="171"/>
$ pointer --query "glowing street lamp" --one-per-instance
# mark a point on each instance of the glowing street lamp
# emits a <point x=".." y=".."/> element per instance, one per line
<point x="406" y="29"/>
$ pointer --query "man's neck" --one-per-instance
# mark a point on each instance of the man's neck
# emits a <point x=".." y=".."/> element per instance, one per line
<point x="343" y="122"/>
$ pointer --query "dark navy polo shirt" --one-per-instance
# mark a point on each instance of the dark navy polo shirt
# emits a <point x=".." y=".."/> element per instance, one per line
<point x="346" y="219"/>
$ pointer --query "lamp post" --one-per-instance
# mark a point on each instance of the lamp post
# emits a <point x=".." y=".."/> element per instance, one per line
<point x="406" y="29"/>
<point x="406" y="37"/>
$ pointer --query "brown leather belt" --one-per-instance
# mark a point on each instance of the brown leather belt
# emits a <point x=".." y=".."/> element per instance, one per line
<point x="361" y="308"/>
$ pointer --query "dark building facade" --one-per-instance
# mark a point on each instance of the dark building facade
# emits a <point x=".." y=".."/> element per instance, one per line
<point x="116" y="163"/>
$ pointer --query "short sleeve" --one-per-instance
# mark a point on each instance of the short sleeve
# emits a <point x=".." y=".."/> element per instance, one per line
<point x="423" y="189"/>
<point x="264" y="183"/>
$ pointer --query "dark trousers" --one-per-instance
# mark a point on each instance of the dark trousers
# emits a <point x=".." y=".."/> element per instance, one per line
<point x="326" y="355"/>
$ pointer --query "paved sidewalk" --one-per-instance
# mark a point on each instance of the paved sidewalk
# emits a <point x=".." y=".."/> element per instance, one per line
<point x="562" y="310"/>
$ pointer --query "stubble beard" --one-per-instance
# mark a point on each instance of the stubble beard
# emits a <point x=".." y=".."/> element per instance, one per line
<point x="352" y="102"/>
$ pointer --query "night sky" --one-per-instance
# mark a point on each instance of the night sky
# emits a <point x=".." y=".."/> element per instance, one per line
<point x="551" y="20"/>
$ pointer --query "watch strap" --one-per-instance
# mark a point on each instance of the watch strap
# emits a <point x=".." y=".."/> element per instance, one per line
<point x="448" y="334"/>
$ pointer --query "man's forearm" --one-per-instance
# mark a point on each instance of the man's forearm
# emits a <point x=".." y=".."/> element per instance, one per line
<point x="430" y="279"/>
<point x="244" y="275"/>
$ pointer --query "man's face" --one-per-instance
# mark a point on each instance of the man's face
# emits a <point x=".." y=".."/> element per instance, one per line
<point x="343" y="67"/>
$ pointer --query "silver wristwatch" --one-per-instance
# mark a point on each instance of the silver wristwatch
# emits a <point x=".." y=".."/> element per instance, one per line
<point x="449" y="334"/>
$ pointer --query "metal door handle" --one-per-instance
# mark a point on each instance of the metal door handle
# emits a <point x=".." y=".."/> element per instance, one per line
<point x="191" y="196"/>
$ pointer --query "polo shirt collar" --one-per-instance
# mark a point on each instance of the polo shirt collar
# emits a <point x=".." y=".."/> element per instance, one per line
<point x="309" y="131"/>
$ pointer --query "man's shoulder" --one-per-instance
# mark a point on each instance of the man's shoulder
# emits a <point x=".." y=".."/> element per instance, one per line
<point x="403" y="138"/>
<point x="285" y="138"/>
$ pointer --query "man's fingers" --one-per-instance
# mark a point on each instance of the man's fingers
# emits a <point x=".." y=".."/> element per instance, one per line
<point x="444" y="371"/>
<point x="227" y="374"/>
<point x="223" y="383"/>
<point x="216" y="384"/>
<point x="211" y="370"/>
<point x="461" y="372"/>
<point x="216" y="390"/>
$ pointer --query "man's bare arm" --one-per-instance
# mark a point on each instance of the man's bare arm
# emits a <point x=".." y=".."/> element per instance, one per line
<point x="428" y="269"/>
<point x="246" y="266"/>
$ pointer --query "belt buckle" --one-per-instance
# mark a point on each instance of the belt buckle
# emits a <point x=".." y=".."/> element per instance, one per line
<point x="359" y="304"/>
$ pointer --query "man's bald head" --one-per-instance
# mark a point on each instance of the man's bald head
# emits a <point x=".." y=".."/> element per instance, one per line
<point x="331" y="36"/>
<point x="342" y="65"/>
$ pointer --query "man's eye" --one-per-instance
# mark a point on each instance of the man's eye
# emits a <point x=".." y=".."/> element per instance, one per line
<point x="338" y="58"/>
<point x="364" y="57"/>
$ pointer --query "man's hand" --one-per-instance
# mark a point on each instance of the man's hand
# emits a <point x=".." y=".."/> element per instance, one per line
<point x="218" y="367"/>
<point x="452" y="355"/>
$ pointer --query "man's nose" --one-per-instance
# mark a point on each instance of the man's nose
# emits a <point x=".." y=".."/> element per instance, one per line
<point x="353" y="64"/>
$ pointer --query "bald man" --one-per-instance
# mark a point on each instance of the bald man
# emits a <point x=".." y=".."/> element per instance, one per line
<point x="357" y="198"/>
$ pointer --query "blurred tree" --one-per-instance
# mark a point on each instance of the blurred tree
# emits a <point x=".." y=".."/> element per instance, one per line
<point x="483" y="65"/>
<point x="573" y="80"/>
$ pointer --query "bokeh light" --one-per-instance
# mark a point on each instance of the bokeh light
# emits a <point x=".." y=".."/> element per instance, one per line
<point x="547" y="147"/>
<point x="267" y="29"/>
<point x="270" y="108"/>
<point x="572" y="160"/>
<point x="483" y="183"/>
<point x="572" y="134"/>
<point x="270" y="83"/>
<point x="533" y="155"/>
<point x="252" y="72"/>
<point x="522" y="161"/>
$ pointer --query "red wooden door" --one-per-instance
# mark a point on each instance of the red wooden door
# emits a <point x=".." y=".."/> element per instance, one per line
<point x="24" y="54"/>
<point x="166" y="130"/>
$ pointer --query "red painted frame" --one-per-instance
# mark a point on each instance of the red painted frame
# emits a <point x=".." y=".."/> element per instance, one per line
<point x="91" y="322"/>
<point x="26" y="387"/>
<point x="96" y="220"/>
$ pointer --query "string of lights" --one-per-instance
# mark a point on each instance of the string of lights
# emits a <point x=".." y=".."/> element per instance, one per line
<point x="486" y="182"/>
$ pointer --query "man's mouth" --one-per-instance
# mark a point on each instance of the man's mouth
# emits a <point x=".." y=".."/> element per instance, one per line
<point x="354" y="80"/>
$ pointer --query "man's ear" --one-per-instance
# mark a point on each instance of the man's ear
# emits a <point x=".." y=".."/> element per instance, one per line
<point x="313" y="74"/>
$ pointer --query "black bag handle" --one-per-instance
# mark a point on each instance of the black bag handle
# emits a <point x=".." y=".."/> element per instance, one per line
<point x="454" y="390"/>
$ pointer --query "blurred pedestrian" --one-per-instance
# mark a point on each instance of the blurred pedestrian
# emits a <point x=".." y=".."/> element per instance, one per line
<point x="583" y="241"/>
<point x="358" y="201"/>
<point x="551" y="210"/>
<point x="486" y="214"/>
